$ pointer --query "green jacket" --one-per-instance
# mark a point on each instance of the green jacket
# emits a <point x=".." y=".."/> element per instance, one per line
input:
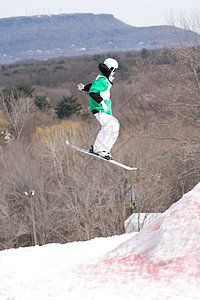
<point x="101" y="85"/>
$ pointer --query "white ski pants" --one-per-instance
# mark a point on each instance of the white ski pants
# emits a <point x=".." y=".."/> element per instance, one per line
<point x="108" y="134"/>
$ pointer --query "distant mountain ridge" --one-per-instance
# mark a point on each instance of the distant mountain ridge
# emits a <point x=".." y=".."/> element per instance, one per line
<point x="43" y="37"/>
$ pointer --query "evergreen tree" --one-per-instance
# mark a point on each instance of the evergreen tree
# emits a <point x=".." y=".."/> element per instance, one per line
<point x="42" y="102"/>
<point x="25" y="89"/>
<point x="144" y="53"/>
<point x="68" y="106"/>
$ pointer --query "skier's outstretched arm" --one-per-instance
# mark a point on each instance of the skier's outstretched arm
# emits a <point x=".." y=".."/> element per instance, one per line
<point x="82" y="87"/>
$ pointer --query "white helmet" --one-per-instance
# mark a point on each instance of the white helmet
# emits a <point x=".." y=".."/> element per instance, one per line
<point x="111" y="63"/>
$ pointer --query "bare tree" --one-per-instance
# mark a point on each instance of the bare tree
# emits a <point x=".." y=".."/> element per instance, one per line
<point x="188" y="42"/>
<point x="18" y="113"/>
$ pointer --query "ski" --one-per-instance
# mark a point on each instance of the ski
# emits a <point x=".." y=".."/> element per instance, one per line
<point x="97" y="156"/>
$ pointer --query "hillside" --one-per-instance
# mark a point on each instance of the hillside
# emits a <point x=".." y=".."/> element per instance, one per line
<point x="43" y="37"/>
<point x="155" y="98"/>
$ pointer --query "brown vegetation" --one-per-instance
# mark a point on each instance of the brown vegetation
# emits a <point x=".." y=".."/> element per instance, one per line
<point x="156" y="99"/>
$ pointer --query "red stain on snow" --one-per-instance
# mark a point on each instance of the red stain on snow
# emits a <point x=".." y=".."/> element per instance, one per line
<point x="197" y="208"/>
<point x="125" y="264"/>
<point x="129" y="267"/>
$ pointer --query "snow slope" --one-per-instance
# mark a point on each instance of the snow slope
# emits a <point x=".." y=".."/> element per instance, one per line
<point x="160" y="262"/>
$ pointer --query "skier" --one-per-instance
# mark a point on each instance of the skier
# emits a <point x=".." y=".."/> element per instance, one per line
<point x="100" y="106"/>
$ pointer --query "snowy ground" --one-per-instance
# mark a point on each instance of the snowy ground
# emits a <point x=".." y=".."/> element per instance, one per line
<point x="160" y="262"/>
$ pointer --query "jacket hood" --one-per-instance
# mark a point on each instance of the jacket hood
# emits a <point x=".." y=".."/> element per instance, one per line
<point x="104" y="69"/>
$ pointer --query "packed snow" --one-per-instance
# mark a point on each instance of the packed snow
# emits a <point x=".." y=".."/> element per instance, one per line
<point x="160" y="262"/>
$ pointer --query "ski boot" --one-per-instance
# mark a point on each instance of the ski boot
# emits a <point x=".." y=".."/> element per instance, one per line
<point x="104" y="154"/>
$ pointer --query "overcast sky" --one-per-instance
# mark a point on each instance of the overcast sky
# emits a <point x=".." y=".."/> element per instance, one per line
<point x="132" y="12"/>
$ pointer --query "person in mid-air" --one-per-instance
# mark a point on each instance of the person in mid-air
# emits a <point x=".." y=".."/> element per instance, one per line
<point x="100" y="106"/>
